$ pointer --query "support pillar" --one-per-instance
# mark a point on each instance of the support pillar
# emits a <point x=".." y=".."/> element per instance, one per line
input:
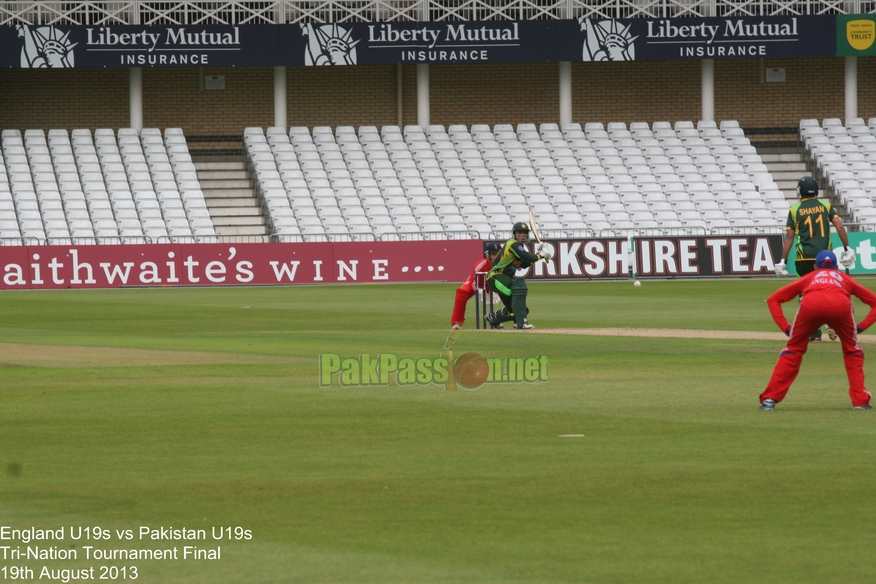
<point x="399" y="94"/>
<point x="851" y="78"/>
<point x="135" y="84"/>
<point x="423" y="96"/>
<point x="565" y="93"/>
<point x="280" y="120"/>
<point x="708" y="90"/>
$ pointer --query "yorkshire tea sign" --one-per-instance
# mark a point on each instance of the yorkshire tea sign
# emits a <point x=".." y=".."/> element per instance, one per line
<point x="855" y="35"/>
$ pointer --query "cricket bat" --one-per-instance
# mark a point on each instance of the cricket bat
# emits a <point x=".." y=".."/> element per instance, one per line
<point x="451" y="338"/>
<point x="533" y="227"/>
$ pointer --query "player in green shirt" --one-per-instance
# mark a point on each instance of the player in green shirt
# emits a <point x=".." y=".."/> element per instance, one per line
<point x="809" y="221"/>
<point x="502" y="277"/>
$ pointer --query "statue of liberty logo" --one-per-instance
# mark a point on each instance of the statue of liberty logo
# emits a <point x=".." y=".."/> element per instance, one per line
<point x="607" y="40"/>
<point x="328" y="44"/>
<point x="45" y="47"/>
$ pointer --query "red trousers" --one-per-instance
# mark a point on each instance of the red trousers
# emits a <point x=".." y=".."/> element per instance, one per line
<point x="463" y="293"/>
<point x="815" y="310"/>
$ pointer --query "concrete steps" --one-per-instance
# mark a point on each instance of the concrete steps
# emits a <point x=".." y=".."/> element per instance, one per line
<point x="786" y="168"/>
<point x="230" y="197"/>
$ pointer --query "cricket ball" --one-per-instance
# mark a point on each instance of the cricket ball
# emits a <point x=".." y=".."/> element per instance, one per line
<point x="471" y="370"/>
<point x="637" y="283"/>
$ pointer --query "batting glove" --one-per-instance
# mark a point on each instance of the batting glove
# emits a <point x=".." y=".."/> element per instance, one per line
<point x="541" y="249"/>
<point x="781" y="269"/>
<point x="847" y="259"/>
<point x="546" y="256"/>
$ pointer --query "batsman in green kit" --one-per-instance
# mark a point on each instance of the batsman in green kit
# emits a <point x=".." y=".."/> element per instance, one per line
<point x="502" y="278"/>
<point x="809" y="222"/>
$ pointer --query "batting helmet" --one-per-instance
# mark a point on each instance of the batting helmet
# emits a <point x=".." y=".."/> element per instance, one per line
<point x="493" y="248"/>
<point x="520" y="226"/>
<point x="825" y="259"/>
<point x="807" y="187"/>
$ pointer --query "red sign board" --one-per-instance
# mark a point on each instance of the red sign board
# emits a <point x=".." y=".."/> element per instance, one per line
<point x="113" y="266"/>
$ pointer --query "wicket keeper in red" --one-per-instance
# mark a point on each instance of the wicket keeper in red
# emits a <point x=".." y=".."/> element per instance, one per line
<point x="468" y="288"/>
<point x="827" y="299"/>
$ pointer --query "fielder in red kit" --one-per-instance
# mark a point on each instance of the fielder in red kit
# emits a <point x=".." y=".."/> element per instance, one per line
<point x="467" y="290"/>
<point x="827" y="299"/>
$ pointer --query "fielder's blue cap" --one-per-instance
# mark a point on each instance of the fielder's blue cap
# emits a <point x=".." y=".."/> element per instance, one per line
<point x="825" y="259"/>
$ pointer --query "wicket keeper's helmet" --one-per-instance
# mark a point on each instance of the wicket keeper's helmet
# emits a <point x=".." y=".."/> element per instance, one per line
<point x="520" y="226"/>
<point x="825" y="259"/>
<point x="807" y="187"/>
<point x="492" y="248"/>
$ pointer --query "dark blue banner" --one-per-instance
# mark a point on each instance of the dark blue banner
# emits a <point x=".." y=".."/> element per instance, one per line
<point x="668" y="39"/>
<point x="382" y="43"/>
<point x="59" y="46"/>
<point x="496" y="41"/>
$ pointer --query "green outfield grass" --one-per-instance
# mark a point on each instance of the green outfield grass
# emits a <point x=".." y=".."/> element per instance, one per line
<point x="201" y="408"/>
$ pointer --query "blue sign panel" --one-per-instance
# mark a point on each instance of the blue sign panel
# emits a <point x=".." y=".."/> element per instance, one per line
<point x="667" y="39"/>
<point x="370" y="43"/>
<point x="63" y="47"/>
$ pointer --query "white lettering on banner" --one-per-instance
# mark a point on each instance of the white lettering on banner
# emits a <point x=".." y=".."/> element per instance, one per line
<point x="664" y="29"/>
<point x="688" y="251"/>
<point x="461" y="32"/>
<point x="244" y="272"/>
<point x="664" y="258"/>
<point x="107" y="38"/>
<point x="16" y="271"/>
<point x="149" y="273"/>
<point x="595" y="265"/>
<point x="210" y="265"/>
<point x="89" y="279"/>
<point x="215" y="272"/>
<point x="865" y="251"/>
<point x="618" y="258"/>
<point x="644" y="257"/>
<point x="739" y="252"/>
<point x="55" y="266"/>
<point x="763" y="256"/>
<point x="456" y="55"/>
<point x="343" y="269"/>
<point x="191" y="264"/>
<point x="387" y="33"/>
<point x="739" y="28"/>
<point x="380" y="269"/>
<point x="104" y="36"/>
<point x="722" y="51"/>
<point x="283" y="271"/>
<point x="36" y="270"/>
<point x="454" y="33"/>
<point x="172" y="279"/>
<point x="717" y="246"/>
<point x="181" y="37"/>
<point x="733" y="29"/>
<point x="116" y="272"/>
<point x="569" y="258"/>
<point x="163" y="59"/>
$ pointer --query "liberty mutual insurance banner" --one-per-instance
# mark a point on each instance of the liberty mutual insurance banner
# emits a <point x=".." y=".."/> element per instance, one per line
<point x="369" y="43"/>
